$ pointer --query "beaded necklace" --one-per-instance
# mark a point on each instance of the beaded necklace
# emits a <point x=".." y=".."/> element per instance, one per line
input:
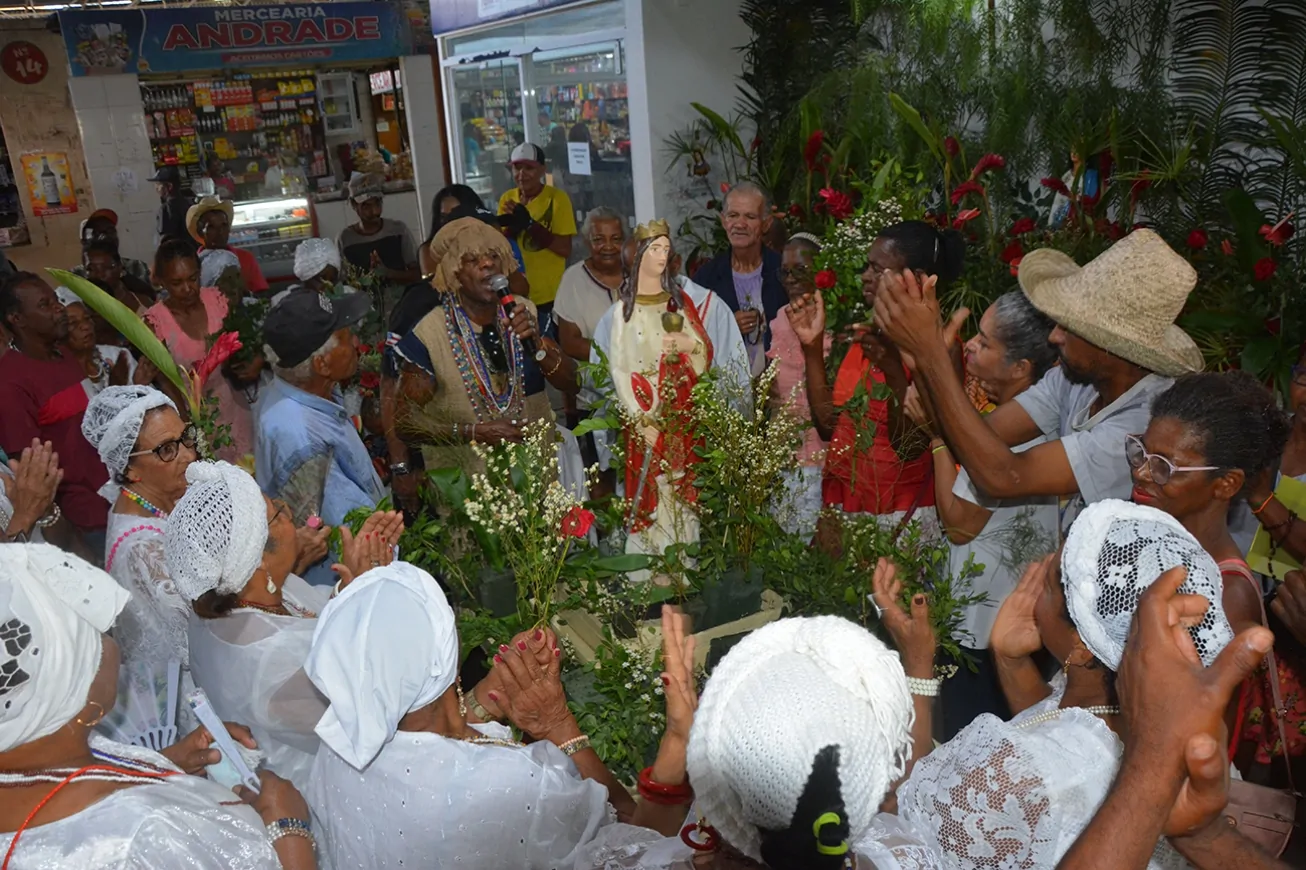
<point x="132" y="771"/>
<point x="143" y="504"/>
<point x="285" y="609"/>
<point x="475" y="370"/>
<point x="493" y="741"/>
<point x="1056" y="714"/>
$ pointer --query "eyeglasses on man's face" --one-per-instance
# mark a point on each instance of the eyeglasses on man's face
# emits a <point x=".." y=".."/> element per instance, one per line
<point x="167" y="451"/>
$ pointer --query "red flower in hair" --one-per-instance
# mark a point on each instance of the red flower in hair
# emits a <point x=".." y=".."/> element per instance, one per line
<point x="812" y="150"/>
<point x="1197" y="239"/>
<point x="951" y="146"/>
<point x="837" y="203"/>
<point x="825" y="279"/>
<point x="963" y="216"/>
<point x="1022" y="226"/>
<point x="577" y="522"/>
<point x="1264" y="269"/>
<point x="988" y="163"/>
<point x="1279" y="233"/>
<point x="966" y="187"/>
<point x="1013" y="252"/>
<point x="1055" y="184"/>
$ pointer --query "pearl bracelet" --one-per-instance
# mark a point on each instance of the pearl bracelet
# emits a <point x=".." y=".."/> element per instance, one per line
<point x="924" y="688"/>
<point x="290" y="828"/>
<point x="576" y="744"/>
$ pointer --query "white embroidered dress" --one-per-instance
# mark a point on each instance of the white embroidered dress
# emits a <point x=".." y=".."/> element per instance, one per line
<point x="430" y="801"/>
<point x="181" y="821"/>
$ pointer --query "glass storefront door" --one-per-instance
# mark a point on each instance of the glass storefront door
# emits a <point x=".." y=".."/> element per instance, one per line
<point x="490" y="124"/>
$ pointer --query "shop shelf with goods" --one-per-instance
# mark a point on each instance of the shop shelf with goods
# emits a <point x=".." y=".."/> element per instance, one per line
<point x="584" y="93"/>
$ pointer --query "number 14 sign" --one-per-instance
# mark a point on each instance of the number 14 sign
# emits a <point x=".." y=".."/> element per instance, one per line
<point x="23" y="62"/>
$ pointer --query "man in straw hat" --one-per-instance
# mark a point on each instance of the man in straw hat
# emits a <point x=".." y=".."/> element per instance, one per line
<point x="209" y="223"/>
<point x="1118" y="347"/>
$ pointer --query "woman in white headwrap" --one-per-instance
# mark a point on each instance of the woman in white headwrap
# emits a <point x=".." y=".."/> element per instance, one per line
<point x="230" y="551"/>
<point x="73" y="799"/>
<point x="801" y="731"/>
<point x="1019" y="793"/>
<point x="103" y="363"/>
<point x="214" y="263"/>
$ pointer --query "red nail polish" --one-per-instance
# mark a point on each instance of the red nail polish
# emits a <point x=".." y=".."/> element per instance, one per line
<point x="666" y="681"/>
<point x="494" y="697"/>
<point x="557" y="653"/>
<point x="920" y="599"/>
<point x="498" y="660"/>
<point x="521" y="645"/>
<point x="539" y="634"/>
<point x="503" y="647"/>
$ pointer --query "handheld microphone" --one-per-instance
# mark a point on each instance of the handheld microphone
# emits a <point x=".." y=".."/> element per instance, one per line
<point x="499" y="284"/>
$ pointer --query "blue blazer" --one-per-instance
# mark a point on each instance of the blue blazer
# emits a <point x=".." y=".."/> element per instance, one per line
<point x="717" y="276"/>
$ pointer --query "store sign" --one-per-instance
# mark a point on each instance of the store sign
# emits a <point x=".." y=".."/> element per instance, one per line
<point x="108" y="41"/>
<point x="24" y="62"/>
<point x="450" y="15"/>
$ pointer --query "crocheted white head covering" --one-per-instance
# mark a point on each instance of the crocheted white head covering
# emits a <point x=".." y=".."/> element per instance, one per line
<point x="314" y="255"/>
<point x="213" y="262"/>
<point x="54" y="611"/>
<point x="779" y="698"/>
<point x="217" y="531"/>
<point x="112" y="423"/>
<point x="385" y="646"/>
<point x="1114" y="551"/>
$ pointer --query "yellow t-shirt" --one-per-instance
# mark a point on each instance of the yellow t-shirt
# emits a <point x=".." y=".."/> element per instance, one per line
<point x="543" y="268"/>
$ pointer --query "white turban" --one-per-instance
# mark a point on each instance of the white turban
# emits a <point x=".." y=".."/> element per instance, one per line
<point x="314" y="255"/>
<point x="1114" y="551"/>
<point x="112" y="423"/>
<point x="54" y="611"/>
<point x="385" y="646"/>
<point x="66" y="297"/>
<point x="213" y="263"/>
<point x="779" y="699"/>
<point x="217" y="531"/>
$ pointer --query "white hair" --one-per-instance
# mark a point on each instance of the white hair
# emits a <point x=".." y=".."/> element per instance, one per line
<point x="750" y="189"/>
<point x="602" y="213"/>
<point x="299" y="374"/>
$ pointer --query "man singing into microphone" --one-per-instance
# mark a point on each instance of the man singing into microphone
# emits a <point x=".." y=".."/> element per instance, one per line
<point x="474" y="368"/>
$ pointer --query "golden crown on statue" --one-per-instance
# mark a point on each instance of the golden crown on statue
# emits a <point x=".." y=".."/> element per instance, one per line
<point x="652" y="230"/>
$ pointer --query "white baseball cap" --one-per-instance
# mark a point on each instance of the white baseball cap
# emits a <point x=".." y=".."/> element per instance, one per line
<point x="527" y="153"/>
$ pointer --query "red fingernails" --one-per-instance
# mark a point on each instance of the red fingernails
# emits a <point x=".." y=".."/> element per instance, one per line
<point x="494" y="697"/>
<point x="539" y="634"/>
<point x="557" y="653"/>
<point x="503" y="647"/>
<point x="498" y="660"/>
<point x="521" y="645"/>
<point x="666" y="681"/>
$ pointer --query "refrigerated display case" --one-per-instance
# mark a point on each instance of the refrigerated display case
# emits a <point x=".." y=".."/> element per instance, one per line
<point x="271" y="229"/>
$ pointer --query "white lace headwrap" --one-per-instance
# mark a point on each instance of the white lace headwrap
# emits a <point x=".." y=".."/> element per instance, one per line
<point x="66" y="297"/>
<point x="217" y="531"/>
<point x="777" y="699"/>
<point x="1114" y="551"/>
<point x="54" y="611"/>
<point x="112" y="423"/>
<point x="213" y="263"/>
<point x="385" y="646"/>
<point x="314" y="255"/>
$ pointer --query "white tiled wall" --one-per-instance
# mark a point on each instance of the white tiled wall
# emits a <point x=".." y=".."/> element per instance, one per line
<point x="112" y="121"/>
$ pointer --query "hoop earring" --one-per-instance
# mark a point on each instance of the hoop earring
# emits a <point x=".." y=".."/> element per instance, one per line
<point x="462" y="699"/>
<point x="271" y="587"/>
<point x="711" y="839"/>
<point x="98" y="706"/>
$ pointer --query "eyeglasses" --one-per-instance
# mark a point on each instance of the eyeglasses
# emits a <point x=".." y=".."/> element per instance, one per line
<point x="167" y="451"/>
<point x="1159" y="468"/>
<point x="797" y="273"/>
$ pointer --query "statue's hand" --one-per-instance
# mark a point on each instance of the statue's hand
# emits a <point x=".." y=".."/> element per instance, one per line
<point x="677" y="342"/>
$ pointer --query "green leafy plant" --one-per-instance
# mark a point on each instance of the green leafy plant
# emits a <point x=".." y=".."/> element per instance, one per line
<point x="617" y="700"/>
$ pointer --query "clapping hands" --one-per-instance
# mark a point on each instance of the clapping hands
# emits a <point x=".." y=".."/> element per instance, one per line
<point x="1015" y="630"/>
<point x="912" y="632"/>
<point x="372" y="547"/>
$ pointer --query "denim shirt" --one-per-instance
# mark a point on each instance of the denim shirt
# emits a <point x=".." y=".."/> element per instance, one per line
<point x="291" y="427"/>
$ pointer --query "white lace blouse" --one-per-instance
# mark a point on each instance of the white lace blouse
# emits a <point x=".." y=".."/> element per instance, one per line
<point x="180" y="821"/>
<point x="152" y="627"/>
<point x="251" y="665"/>
<point x="430" y="801"/>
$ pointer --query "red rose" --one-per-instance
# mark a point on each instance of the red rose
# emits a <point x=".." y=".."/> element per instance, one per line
<point x="1197" y="239"/>
<point x="725" y="188"/>
<point x="369" y="380"/>
<point x="1015" y="265"/>
<point x="825" y="279"/>
<point x="1022" y="226"/>
<point x="365" y="348"/>
<point x="812" y="150"/>
<point x="966" y="187"/>
<point x="951" y="146"/>
<point x="837" y="203"/>
<point x="966" y="214"/>
<point x="987" y="163"/>
<point x="1012" y="252"/>
<point x="577" y="522"/>
<point x="1279" y="233"/>
<point x="1264" y="269"/>
<point x="1055" y="184"/>
<point x="796" y="211"/>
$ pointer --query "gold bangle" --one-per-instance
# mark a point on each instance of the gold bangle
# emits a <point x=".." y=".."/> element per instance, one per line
<point x="575" y="745"/>
<point x="557" y="365"/>
<point x="479" y="711"/>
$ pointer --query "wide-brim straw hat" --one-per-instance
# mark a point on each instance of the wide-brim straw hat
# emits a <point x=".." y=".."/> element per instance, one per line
<point x="1125" y="301"/>
<point x="203" y="207"/>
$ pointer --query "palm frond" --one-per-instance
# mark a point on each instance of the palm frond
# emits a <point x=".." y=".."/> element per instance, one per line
<point x="127" y="322"/>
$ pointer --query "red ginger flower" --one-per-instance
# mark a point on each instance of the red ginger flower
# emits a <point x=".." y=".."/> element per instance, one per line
<point x="1279" y="233"/>
<point x="369" y="380"/>
<point x="825" y="279"/>
<point x="1264" y="269"/>
<point x="1055" y="184"/>
<point x="951" y="146"/>
<point x="988" y="163"/>
<point x="838" y="204"/>
<point x="577" y="522"/>
<point x="1197" y="239"/>
<point x="227" y="344"/>
<point x="963" y="216"/>
<point x="812" y="150"/>
<point x="1015" y="265"/>
<point x="1022" y="226"/>
<point x="966" y="187"/>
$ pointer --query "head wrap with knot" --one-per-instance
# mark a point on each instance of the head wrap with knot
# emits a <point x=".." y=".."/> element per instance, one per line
<point x="314" y="255"/>
<point x="467" y="237"/>
<point x="54" y="611"/>
<point x="1114" y="551"/>
<point x="213" y="262"/>
<point x="112" y="423"/>
<point x="385" y="646"/>
<point x="66" y="297"/>
<point x="217" y="531"/>
<point x="800" y="699"/>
